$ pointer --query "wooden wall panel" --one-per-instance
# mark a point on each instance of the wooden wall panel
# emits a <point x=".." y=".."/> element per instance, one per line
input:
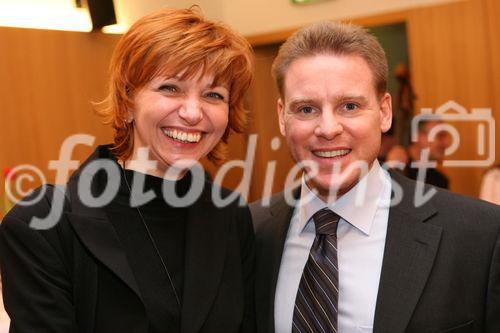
<point x="48" y="80"/>
<point x="492" y="9"/>
<point x="236" y="150"/>
<point x="451" y="60"/>
<point x="263" y="96"/>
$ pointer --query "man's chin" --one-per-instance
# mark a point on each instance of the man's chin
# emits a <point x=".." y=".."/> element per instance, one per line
<point x="328" y="187"/>
<point x="335" y="184"/>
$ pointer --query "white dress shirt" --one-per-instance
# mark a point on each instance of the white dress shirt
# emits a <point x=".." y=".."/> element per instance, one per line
<point x="360" y="238"/>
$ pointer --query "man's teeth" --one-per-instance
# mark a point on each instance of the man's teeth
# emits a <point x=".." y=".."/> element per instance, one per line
<point x="332" y="153"/>
<point x="183" y="136"/>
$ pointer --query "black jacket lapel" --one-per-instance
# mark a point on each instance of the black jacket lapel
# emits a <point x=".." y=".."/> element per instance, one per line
<point x="94" y="229"/>
<point x="99" y="237"/>
<point x="410" y="250"/>
<point x="206" y="244"/>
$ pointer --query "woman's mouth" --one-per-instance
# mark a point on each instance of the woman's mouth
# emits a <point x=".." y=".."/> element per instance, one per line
<point x="181" y="136"/>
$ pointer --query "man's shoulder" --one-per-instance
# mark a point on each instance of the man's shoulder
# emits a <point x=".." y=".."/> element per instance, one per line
<point x="264" y="211"/>
<point x="471" y="208"/>
<point x="448" y="207"/>
<point x="261" y="209"/>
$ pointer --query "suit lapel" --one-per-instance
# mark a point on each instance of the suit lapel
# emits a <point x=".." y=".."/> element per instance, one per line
<point x="206" y="244"/>
<point x="410" y="250"/>
<point x="98" y="235"/>
<point x="270" y="250"/>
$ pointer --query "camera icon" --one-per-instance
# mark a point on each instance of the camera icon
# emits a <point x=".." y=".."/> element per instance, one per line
<point x="450" y="113"/>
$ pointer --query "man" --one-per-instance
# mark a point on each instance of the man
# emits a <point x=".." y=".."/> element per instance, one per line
<point x="340" y="258"/>
<point x="436" y="147"/>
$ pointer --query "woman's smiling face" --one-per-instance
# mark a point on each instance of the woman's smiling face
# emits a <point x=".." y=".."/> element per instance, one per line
<point x="178" y="119"/>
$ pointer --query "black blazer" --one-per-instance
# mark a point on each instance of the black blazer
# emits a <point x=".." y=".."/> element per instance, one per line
<point x="440" y="271"/>
<point x="51" y="277"/>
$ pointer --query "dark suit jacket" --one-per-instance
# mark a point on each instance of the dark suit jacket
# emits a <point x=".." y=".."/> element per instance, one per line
<point x="51" y="277"/>
<point x="441" y="266"/>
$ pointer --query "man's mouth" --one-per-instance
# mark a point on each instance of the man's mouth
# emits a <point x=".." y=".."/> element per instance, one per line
<point x="331" y="153"/>
<point x="182" y="136"/>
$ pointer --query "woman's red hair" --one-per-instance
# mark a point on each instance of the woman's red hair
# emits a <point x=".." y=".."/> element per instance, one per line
<point x="163" y="44"/>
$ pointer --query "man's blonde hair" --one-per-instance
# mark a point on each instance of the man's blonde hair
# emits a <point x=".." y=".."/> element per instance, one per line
<point x="335" y="38"/>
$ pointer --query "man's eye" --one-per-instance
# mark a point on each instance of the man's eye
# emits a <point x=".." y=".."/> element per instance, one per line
<point x="215" y="95"/>
<point x="350" y="106"/>
<point x="306" y="109"/>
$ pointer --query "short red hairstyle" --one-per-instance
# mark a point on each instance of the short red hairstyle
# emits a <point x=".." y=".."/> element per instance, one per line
<point x="163" y="44"/>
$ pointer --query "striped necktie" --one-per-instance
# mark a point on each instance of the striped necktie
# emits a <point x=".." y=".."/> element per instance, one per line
<point x="317" y="297"/>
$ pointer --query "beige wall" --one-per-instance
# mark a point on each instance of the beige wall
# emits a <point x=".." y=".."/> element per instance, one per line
<point x="252" y="17"/>
<point x="261" y="16"/>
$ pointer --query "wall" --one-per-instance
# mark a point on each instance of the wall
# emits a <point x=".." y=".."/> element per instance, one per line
<point x="252" y="17"/>
<point x="262" y="16"/>
<point x="461" y="69"/>
<point x="128" y="11"/>
<point x="492" y="8"/>
<point x="48" y="80"/>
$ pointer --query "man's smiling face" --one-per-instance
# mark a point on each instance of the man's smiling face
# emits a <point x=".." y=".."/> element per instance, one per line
<point x="331" y="115"/>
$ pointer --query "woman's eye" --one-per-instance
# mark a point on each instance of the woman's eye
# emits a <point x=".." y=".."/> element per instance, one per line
<point x="215" y="95"/>
<point x="169" y="88"/>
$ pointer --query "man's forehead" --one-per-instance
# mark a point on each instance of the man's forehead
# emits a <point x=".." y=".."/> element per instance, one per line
<point x="306" y="99"/>
<point x="311" y="85"/>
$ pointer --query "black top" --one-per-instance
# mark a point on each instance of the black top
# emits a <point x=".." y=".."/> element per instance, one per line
<point x="167" y="227"/>
<point x="76" y="276"/>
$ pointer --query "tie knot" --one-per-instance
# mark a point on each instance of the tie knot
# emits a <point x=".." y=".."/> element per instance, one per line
<point x="326" y="222"/>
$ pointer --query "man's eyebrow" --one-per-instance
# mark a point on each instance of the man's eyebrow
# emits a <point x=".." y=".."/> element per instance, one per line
<point x="359" y="98"/>
<point x="298" y="101"/>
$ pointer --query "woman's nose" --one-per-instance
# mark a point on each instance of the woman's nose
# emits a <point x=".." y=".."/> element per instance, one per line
<point x="191" y="111"/>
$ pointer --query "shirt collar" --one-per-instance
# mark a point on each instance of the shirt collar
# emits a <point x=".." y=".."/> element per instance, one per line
<point x="357" y="207"/>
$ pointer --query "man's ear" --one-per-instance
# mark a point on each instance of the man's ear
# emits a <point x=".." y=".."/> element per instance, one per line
<point x="281" y="116"/>
<point x="385" y="112"/>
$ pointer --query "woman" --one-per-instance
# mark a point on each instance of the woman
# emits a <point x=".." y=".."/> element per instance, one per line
<point x="128" y="264"/>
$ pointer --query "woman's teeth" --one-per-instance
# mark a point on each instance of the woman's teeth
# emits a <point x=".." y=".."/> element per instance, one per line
<point x="182" y="136"/>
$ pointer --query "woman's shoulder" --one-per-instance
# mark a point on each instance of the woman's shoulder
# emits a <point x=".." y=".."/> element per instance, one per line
<point x="40" y="210"/>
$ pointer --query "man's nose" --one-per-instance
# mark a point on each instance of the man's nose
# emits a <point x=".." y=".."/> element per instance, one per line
<point x="329" y="125"/>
